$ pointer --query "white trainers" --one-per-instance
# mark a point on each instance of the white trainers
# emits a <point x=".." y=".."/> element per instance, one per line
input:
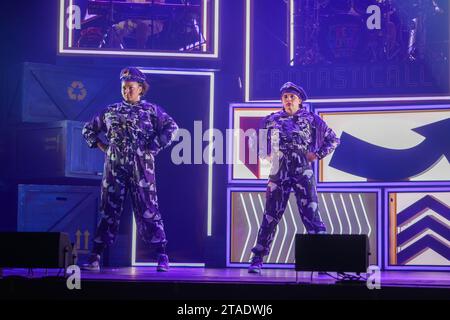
<point x="93" y="263"/>
<point x="163" y="263"/>
<point x="256" y="264"/>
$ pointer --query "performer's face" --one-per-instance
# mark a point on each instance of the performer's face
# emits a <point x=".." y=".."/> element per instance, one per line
<point x="291" y="102"/>
<point x="131" y="91"/>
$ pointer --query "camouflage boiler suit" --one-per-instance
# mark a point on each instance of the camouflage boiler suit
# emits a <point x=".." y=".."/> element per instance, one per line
<point x="296" y="134"/>
<point x="135" y="133"/>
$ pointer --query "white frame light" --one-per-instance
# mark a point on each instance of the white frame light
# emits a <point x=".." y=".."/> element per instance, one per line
<point x="247" y="76"/>
<point x="211" y="75"/>
<point x="213" y="55"/>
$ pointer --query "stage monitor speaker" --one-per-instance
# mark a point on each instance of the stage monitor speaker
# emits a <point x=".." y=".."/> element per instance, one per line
<point x="35" y="250"/>
<point x="332" y="253"/>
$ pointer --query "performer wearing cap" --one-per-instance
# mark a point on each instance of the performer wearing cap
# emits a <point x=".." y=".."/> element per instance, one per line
<point x="136" y="131"/>
<point x="297" y="137"/>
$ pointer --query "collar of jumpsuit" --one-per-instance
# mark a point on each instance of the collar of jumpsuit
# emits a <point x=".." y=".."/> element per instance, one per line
<point x="297" y="113"/>
<point x="132" y="104"/>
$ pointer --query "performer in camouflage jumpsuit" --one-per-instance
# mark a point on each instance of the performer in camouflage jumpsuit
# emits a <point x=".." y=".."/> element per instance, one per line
<point x="296" y="137"/>
<point x="136" y="131"/>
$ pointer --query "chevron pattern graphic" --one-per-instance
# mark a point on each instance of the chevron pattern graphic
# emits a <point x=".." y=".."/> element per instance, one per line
<point x="420" y="229"/>
<point x="343" y="213"/>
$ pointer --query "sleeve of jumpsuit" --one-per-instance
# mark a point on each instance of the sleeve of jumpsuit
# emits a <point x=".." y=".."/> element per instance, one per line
<point x="330" y="141"/>
<point x="264" y="151"/>
<point x="92" y="129"/>
<point x="165" y="130"/>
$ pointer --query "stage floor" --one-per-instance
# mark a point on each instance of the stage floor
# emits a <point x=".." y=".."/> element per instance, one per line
<point x="236" y="275"/>
<point x="234" y="283"/>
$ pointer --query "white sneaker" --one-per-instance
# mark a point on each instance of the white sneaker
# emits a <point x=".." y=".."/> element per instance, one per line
<point x="93" y="263"/>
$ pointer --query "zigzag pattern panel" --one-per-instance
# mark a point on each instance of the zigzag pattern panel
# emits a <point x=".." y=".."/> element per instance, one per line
<point x="419" y="229"/>
<point x="342" y="213"/>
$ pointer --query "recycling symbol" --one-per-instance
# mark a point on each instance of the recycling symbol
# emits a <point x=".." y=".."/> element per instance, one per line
<point x="77" y="91"/>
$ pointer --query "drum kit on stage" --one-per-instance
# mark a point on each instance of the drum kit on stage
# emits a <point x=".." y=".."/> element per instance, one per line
<point x="334" y="31"/>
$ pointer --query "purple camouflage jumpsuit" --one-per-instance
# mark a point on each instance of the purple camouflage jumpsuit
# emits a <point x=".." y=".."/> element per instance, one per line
<point x="296" y="135"/>
<point x="135" y="134"/>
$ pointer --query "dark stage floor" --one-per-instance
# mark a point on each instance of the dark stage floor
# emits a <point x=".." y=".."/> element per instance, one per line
<point x="231" y="283"/>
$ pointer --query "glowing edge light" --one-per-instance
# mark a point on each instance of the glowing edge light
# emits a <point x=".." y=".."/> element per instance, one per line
<point x="231" y="154"/>
<point x="215" y="54"/>
<point x="365" y="109"/>
<point x="248" y="17"/>
<point x="205" y="24"/>
<point x="247" y="49"/>
<point x="61" y="26"/>
<point x="70" y="30"/>
<point x="210" y="165"/>
<point x="378" y="222"/>
<point x="379" y="99"/>
<point x="291" y="32"/>
<point x="388" y="266"/>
